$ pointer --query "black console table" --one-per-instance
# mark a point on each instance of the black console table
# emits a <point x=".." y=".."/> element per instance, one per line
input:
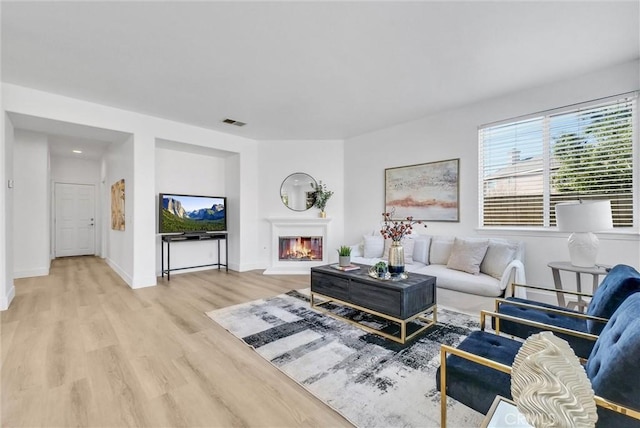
<point x="216" y="236"/>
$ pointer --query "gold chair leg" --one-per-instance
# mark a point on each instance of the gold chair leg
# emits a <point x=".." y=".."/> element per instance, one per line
<point x="443" y="388"/>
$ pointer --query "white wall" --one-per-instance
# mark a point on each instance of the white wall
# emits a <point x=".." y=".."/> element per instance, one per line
<point x="193" y="174"/>
<point x="323" y="160"/>
<point x="142" y="203"/>
<point x="75" y="170"/>
<point x="453" y="134"/>
<point x="120" y="252"/>
<point x="7" y="289"/>
<point x="236" y="216"/>
<point x="31" y="207"/>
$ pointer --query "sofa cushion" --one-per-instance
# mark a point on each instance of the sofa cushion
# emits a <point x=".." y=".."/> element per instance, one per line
<point x="467" y="254"/>
<point x="582" y="347"/>
<point x="421" y="248"/>
<point x="373" y="246"/>
<point x="467" y="381"/>
<point x="499" y="254"/>
<point x="357" y="250"/>
<point x="621" y="282"/>
<point x="407" y="246"/>
<point x="612" y="367"/>
<point x="440" y="250"/>
<point x="483" y="285"/>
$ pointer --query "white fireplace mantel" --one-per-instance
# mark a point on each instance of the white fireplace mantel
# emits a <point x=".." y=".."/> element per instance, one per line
<point x="296" y="226"/>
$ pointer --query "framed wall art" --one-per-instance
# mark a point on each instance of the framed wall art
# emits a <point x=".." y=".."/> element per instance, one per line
<point x="117" y="205"/>
<point x="427" y="191"/>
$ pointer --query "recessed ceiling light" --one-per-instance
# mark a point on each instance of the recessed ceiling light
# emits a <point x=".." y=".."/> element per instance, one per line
<point x="77" y="151"/>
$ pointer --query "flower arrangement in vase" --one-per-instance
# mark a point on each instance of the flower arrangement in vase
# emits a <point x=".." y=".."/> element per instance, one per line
<point x="322" y="197"/>
<point x="396" y="230"/>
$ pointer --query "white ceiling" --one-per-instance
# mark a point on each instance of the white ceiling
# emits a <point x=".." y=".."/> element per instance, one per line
<point x="307" y="70"/>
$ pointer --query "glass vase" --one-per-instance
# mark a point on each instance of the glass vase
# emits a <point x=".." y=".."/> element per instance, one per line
<point x="396" y="258"/>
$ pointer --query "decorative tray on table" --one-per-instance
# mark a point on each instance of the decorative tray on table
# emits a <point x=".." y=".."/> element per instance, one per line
<point x="373" y="273"/>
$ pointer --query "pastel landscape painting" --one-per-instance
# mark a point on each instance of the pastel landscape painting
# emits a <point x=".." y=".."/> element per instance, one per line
<point x="426" y="191"/>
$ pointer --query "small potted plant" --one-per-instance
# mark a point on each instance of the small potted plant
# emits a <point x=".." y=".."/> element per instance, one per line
<point x="381" y="269"/>
<point x="344" y="256"/>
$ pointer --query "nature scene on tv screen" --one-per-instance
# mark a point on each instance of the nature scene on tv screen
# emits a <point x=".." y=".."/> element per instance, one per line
<point x="192" y="214"/>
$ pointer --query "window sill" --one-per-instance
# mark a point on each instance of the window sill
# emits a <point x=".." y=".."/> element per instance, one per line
<point x="614" y="235"/>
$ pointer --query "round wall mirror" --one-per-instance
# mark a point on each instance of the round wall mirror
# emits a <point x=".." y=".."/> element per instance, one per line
<point x="297" y="191"/>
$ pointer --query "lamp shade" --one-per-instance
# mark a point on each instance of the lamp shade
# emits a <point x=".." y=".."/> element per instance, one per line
<point x="584" y="216"/>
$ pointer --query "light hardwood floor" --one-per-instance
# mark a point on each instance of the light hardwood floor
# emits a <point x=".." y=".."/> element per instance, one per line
<point x="80" y="348"/>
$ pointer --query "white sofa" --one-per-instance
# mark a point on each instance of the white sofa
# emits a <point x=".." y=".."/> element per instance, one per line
<point x="470" y="272"/>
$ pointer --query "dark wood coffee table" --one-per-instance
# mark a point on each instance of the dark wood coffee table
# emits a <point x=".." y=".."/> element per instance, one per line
<point x="400" y="301"/>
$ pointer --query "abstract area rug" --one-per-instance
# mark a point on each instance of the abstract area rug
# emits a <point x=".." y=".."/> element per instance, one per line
<point x="371" y="381"/>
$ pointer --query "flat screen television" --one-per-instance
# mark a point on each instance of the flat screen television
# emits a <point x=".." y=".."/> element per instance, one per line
<point x="191" y="213"/>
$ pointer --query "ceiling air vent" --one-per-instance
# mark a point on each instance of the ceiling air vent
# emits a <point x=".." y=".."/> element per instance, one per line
<point x="233" y="122"/>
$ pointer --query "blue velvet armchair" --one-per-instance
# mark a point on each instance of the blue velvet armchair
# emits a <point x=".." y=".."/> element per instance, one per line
<point x="580" y="330"/>
<point x="479" y="369"/>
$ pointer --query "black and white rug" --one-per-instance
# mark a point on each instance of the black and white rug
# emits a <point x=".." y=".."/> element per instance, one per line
<point x="373" y="382"/>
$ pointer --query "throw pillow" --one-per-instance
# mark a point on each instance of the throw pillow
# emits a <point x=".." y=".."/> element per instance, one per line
<point x="421" y="248"/>
<point x="499" y="255"/>
<point x="357" y="250"/>
<point x="373" y="246"/>
<point x="467" y="254"/>
<point x="440" y="250"/>
<point x="407" y="246"/>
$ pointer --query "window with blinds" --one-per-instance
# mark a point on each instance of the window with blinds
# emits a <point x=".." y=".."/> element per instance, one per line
<point x="530" y="164"/>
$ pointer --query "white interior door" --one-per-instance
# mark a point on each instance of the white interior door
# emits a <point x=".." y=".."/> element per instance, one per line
<point x="75" y="219"/>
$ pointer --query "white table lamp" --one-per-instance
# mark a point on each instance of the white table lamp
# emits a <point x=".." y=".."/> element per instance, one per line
<point x="583" y="218"/>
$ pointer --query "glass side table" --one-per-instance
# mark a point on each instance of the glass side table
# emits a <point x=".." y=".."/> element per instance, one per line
<point x="504" y="413"/>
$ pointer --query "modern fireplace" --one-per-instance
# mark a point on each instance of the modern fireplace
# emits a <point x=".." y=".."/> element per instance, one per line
<point x="300" y="248"/>
<point x="297" y="244"/>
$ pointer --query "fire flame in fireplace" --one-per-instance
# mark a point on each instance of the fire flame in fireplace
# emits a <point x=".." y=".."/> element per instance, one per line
<point x="300" y="248"/>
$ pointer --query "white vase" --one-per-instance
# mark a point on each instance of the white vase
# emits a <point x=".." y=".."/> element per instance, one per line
<point x="344" y="260"/>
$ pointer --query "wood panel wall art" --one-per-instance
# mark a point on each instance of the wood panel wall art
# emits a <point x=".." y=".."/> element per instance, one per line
<point x="117" y="205"/>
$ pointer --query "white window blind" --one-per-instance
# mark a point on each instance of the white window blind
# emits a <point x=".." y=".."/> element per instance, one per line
<point x="585" y="152"/>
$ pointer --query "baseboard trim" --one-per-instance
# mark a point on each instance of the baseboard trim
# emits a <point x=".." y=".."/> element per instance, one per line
<point x="144" y="283"/>
<point x="246" y="267"/>
<point x="120" y="272"/>
<point x="31" y="272"/>
<point x="285" y="271"/>
<point x="5" y="301"/>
